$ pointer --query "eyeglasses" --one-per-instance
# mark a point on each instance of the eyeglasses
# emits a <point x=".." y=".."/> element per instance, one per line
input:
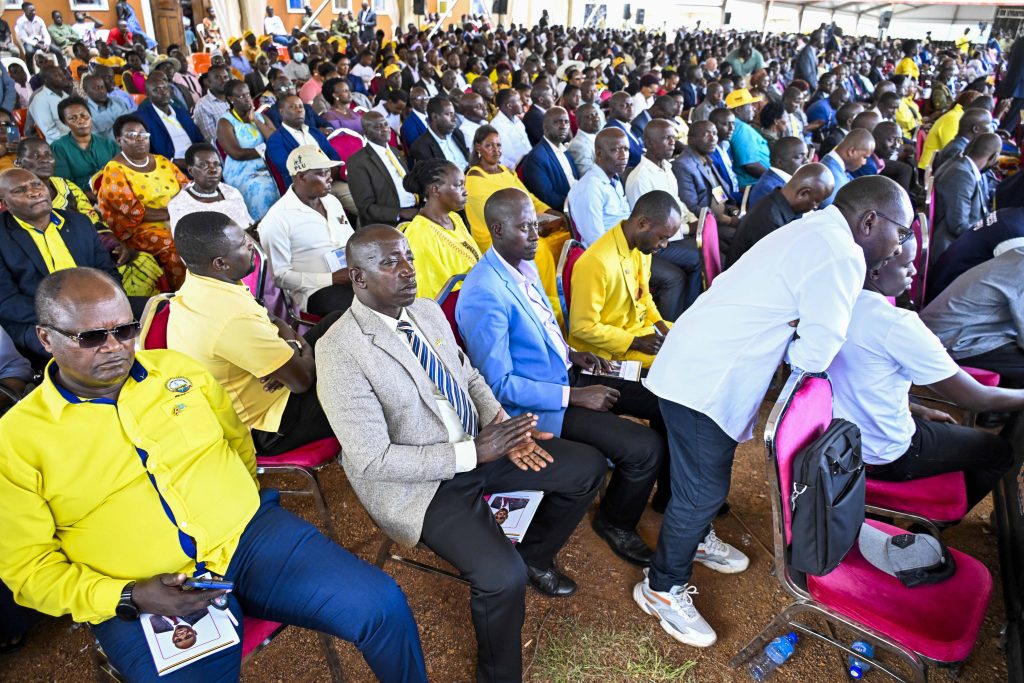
<point x="92" y="339"/>
<point x="132" y="137"/>
<point x="905" y="232"/>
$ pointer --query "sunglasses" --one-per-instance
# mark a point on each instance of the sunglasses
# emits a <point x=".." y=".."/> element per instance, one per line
<point x="92" y="339"/>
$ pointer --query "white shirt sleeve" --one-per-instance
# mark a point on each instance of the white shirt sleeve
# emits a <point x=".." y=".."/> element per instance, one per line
<point x="585" y="207"/>
<point x="465" y="456"/>
<point x="276" y="242"/>
<point x="919" y="351"/>
<point x="826" y="298"/>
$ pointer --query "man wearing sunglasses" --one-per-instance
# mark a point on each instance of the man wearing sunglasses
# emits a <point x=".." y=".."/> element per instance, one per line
<point x="35" y="240"/>
<point x="125" y="472"/>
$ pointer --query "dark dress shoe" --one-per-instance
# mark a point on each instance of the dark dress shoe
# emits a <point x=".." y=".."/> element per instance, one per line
<point x="550" y="582"/>
<point x="626" y="544"/>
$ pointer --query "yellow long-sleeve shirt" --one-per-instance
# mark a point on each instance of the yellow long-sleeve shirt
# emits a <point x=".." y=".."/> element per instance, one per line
<point x="941" y="134"/>
<point x="611" y="299"/>
<point x="80" y="514"/>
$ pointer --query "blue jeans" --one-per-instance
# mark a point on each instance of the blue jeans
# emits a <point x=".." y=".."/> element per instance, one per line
<point x="701" y="470"/>
<point x="282" y="40"/>
<point x="285" y="570"/>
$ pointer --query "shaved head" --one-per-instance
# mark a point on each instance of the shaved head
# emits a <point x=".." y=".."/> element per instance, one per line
<point x="502" y="204"/>
<point x="361" y="249"/>
<point x="974" y="122"/>
<point x="866" y="120"/>
<point x="879" y="214"/>
<point x="858" y="138"/>
<point x="62" y="292"/>
<point x="810" y="185"/>
<point x="984" y="150"/>
<point x="788" y="154"/>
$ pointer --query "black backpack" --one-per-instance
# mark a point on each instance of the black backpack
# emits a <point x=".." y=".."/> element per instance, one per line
<point x="827" y="499"/>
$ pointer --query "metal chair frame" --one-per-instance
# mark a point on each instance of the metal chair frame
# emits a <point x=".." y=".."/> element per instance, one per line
<point x="803" y="602"/>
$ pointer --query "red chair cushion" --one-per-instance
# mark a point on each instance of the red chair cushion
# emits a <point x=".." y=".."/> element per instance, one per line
<point x="710" y="249"/>
<point x="255" y="632"/>
<point x="942" y="498"/>
<point x="448" y="308"/>
<point x="940" y="620"/>
<point x="570" y="263"/>
<point x="156" y="337"/>
<point x="986" y="377"/>
<point x="313" y="454"/>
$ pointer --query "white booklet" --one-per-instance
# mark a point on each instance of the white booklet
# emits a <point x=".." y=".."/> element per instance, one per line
<point x="336" y="259"/>
<point x="514" y="511"/>
<point x="623" y="369"/>
<point x="175" y="642"/>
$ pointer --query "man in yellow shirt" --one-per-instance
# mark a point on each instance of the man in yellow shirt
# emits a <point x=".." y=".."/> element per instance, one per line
<point x="125" y="472"/>
<point x="908" y="65"/>
<point x="944" y="129"/>
<point x="267" y="370"/>
<point x="612" y="312"/>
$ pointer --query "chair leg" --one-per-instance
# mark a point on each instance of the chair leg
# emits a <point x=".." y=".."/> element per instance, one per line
<point x="384" y="552"/>
<point x="761" y="639"/>
<point x="318" y="497"/>
<point x="331" y="655"/>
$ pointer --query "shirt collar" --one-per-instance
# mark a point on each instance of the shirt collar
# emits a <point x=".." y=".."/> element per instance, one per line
<point x="437" y="137"/>
<point x="193" y="281"/>
<point x="525" y="274"/>
<point x="296" y="132"/>
<point x="56" y="220"/>
<point x="557" y="148"/>
<point x="57" y="397"/>
<point x="389" y="322"/>
<point x="782" y="174"/>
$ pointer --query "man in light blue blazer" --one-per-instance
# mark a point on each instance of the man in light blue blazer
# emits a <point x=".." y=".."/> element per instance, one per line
<point x="847" y="157"/>
<point x="548" y="170"/>
<point x="513" y="339"/>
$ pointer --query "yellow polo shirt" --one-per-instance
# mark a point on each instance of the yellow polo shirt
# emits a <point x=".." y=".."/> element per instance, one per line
<point x="81" y="483"/>
<point x="223" y="327"/>
<point x="50" y="244"/>
<point x="941" y="134"/>
<point x="611" y="299"/>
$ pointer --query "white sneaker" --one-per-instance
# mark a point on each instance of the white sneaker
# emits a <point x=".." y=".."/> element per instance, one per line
<point x="714" y="553"/>
<point x="676" y="613"/>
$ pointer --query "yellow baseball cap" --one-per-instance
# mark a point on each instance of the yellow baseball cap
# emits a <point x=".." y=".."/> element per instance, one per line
<point x="737" y="98"/>
<point x="391" y="69"/>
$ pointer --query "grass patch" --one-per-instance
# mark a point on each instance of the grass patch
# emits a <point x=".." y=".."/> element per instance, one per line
<point x="575" y="652"/>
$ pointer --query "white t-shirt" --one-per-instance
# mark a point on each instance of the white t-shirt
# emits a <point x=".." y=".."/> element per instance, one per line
<point x="887" y="349"/>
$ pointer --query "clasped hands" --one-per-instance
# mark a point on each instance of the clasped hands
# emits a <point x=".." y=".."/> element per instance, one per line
<point x="515" y="438"/>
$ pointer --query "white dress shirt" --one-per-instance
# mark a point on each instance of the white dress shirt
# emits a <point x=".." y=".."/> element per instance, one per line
<point x="179" y="138"/>
<point x="296" y="238"/>
<point x="728" y="344"/>
<point x="649" y="176"/>
<point x="405" y="198"/>
<point x="301" y="135"/>
<point x="450" y="150"/>
<point x="563" y="161"/>
<point x="33" y="32"/>
<point x="468" y="129"/>
<point x="582" y="150"/>
<point x="887" y="349"/>
<point x="273" y="26"/>
<point x="515" y="143"/>
<point x="465" y="449"/>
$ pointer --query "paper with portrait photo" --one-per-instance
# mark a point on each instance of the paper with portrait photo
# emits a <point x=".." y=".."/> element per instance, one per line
<point x="175" y="642"/>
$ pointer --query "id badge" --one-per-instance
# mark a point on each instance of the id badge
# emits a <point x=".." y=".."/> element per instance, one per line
<point x="719" y="194"/>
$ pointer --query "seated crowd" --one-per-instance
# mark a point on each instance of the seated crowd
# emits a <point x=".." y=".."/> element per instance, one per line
<point x="346" y="186"/>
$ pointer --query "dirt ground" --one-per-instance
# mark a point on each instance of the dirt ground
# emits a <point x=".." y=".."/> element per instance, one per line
<point x="597" y="635"/>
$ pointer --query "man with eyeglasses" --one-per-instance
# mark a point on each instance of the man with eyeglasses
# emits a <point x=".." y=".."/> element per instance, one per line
<point x="36" y="240"/>
<point x="789" y="299"/>
<point x="124" y="473"/>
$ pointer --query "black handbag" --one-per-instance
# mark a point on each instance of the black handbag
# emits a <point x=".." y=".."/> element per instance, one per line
<point x="827" y="499"/>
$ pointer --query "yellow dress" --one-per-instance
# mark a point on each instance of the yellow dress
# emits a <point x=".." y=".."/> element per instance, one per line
<point x="480" y="185"/>
<point x="439" y="252"/>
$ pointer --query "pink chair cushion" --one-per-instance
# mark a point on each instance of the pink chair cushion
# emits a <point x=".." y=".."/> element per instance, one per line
<point x="570" y="263"/>
<point x="986" y="377"/>
<point x="920" y="281"/>
<point x="806" y="417"/>
<point x="710" y="249"/>
<point x="255" y="632"/>
<point x="942" y="498"/>
<point x="940" y="620"/>
<point x="313" y="454"/>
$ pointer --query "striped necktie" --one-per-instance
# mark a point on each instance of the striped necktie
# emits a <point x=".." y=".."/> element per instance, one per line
<point x="443" y="379"/>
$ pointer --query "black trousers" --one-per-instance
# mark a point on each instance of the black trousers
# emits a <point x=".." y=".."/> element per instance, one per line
<point x="330" y="299"/>
<point x="460" y="528"/>
<point x="940" y="447"/>
<point x="303" y="420"/>
<point x="638" y="452"/>
<point x="1007" y="360"/>
<point x="676" y="279"/>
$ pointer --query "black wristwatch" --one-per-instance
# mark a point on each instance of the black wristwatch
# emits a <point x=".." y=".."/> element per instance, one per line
<point x="126" y="607"/>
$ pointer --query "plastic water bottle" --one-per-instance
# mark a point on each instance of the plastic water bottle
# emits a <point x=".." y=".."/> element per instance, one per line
<point x="858" y="667"/>
<point x="774" y="655"/>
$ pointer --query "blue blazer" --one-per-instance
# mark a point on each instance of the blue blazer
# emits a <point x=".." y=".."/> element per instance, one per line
<point x="543" y="176"/>
<point x="412" y="129"/>
<point x="839" y="174"/>
<point x="507" y="343"/>
<point x="732" y="189"/>
<point x="763" y="187"/>
<point x="22" y="269"/>
<point x="159" y="139"/>
<point x="636" y="145"/>
<point x="280" y="145"/>
<point x="639" y="123"/>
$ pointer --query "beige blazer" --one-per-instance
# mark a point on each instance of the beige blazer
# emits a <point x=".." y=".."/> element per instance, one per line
<point x="381" y="404"/>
